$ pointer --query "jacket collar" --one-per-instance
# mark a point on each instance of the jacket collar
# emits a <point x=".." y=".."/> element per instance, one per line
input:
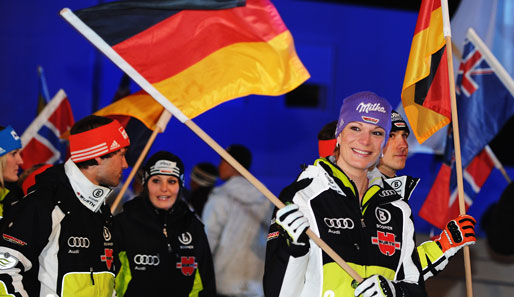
<point x="90" y="195"/>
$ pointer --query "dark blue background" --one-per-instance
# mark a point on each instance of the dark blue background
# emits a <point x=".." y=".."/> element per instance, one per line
<point x="346" y="48"/>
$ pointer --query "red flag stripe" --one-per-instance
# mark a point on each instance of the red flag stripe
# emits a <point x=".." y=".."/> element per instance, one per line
<point x="425" y="11"/>
<point x="190" y="36"/>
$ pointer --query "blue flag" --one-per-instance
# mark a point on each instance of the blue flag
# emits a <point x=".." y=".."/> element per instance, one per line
<point x="485" y="99"/>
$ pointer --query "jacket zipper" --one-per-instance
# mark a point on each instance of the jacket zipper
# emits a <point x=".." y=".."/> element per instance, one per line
<point x="165" y="232"/>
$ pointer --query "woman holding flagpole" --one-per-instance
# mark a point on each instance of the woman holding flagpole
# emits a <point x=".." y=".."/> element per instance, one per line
<point x="10" y="161"/>
<point x="359" y="215"/>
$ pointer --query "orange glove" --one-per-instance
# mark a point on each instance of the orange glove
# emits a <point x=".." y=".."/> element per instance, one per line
<point x="457" y="234"/>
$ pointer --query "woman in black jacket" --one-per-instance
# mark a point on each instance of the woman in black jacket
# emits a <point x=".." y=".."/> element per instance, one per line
<point x="165" y="251"/>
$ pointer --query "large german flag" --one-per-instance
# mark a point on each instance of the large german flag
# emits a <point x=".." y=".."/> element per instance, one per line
<point x="205" y="55"/>
<point x="426" y="92"/>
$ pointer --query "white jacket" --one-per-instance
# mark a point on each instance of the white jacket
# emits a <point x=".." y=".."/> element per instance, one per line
<point x="236" y="218"/>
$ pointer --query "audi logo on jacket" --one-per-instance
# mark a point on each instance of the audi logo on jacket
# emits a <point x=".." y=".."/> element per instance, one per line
<point x="375" y="236"/>
<point x="73" y="241"/>
<point x="165" y="251"/>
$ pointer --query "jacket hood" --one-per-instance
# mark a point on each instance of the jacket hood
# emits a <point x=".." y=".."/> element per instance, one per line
<point x="241" y="189"/>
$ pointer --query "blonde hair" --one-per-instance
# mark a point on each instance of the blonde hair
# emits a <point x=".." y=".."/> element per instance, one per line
<point x="3" y="161"/>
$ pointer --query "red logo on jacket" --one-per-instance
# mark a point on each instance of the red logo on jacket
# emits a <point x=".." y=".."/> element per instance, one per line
<point x="187" y="265"/>
<point x="108" y="258"/>
<point x="386" y="243"/>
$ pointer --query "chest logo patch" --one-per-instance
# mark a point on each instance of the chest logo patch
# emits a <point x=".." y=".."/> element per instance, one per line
<point x="187" y="265"/>
<point x="108" y="258"/>
<point x="107" y="234"/>
<point x="386" y="242"/>
<point x="185" y="238"/>
<point x="383" y="215"/>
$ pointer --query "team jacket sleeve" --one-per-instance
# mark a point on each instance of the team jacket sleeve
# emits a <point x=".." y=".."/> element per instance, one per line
<point x="23" y="238"/>
<point x="431" y="258"/>
<point x="284" y="275"/>
<point x="207" y="282"/>
<point x="409" y="279"/>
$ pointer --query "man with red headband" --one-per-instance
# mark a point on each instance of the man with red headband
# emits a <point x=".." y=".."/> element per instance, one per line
<point x="60" y="241"/>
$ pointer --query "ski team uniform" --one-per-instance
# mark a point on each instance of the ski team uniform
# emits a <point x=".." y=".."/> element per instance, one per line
<point x="57" y="246"/>
<point x="431" y="256"/>
<point x="374" y="237"/>
<point x="164" y="252"/>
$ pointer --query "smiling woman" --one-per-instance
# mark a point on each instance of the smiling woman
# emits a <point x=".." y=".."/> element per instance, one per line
<point x="164" y="246"/>
<point x="352" y="209"/>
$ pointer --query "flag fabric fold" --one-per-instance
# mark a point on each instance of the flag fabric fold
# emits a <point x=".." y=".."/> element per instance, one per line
<point x="201" y="58"/>
<point x="426" y="92"/>
<point x="44" y="141"/>
<point x="485" y="102"/>
<point x="139" y="114"/>
<point x="441" y="204"/>
<point x="485" y="97"/>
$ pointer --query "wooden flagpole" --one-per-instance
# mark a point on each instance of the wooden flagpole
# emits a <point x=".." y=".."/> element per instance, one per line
<point x="160" y="127"/>
<point x="456" y="138"/>
<point x="496" y="161"/>
<point x="97" y="41"/>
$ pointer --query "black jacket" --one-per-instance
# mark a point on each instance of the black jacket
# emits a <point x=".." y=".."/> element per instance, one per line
<point x="167" y="252"/>
<point x="76" y="244"/>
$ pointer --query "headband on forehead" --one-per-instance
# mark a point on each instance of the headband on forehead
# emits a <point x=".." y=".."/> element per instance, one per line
<point x="98" y="142"/>
<point x="326" y="147"/>
<point x="9" y="141"/>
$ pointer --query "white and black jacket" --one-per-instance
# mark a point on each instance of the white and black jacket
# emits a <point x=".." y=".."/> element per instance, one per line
<point x="56" y="246"/>
<point x="375" y="236"/>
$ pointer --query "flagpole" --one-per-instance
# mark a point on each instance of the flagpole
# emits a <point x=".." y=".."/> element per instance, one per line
<point x="456" y="137"/>
<point x="97" y="41"/>
<point x="160" y="127"/>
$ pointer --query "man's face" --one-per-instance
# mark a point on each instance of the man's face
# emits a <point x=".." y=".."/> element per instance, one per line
<point x="225" y="170"/>
<point x="110" y="169"/>
<point x="395" y="153"/>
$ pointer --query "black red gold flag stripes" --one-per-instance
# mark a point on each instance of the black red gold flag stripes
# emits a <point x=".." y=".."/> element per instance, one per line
<point x="426" y="91"/>
<point x="201" y="58"/>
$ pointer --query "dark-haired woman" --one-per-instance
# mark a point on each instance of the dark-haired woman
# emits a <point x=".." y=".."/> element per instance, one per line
<point x="165" y="251"/>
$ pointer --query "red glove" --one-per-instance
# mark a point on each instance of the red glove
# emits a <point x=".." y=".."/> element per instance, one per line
<point x="457" y="234"/>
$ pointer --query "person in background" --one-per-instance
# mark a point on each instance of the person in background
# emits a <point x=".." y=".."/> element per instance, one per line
<point x="498" y="224"/>
<point x="60" y="242"/>
<point x="164" y="247"/>
<point x="434" y="255"/>
<point x="203" y="177"/>
<point x="236" y="218"/>
<point x="10" y="161"/>
<point x="360" y="216"/>
<point x="28" y="176"/>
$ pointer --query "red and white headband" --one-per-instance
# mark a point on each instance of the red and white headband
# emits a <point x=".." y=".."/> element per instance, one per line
<point x="98" y="142"/>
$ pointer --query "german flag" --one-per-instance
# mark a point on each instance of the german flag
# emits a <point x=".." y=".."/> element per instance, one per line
<point x="426" y="91"/>
<point x="139" y="114"/>
<point x="204" y="55"/>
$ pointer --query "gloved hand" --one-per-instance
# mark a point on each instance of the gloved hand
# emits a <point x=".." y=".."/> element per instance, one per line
<point x="377" y="286"/>
<point x="292" y="220"/>
<point x="457" y="234"/>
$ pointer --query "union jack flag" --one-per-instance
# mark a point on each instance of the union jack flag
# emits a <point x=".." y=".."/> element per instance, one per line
<point x="45" y="141"/>
<point x="485" y="97"/>
<point x="485" y="102"/>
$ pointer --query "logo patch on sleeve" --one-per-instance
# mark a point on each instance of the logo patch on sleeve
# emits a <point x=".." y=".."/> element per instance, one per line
<point x="273" y="235"/>
<point x="7" y="261"/>
<point x="14" y="240"/>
